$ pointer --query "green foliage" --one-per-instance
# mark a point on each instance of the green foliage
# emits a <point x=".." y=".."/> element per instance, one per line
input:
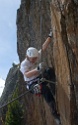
<point x="14" y="115"/>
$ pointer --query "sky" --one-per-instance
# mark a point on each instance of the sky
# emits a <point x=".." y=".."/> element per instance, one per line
<point x="2" y="84"/>
<point x="8" y="35"/>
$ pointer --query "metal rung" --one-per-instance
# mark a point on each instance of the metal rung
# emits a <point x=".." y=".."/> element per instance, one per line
<point x="45" y="80"/>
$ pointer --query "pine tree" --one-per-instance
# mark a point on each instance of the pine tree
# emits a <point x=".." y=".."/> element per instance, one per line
<point x="14" y="115"/>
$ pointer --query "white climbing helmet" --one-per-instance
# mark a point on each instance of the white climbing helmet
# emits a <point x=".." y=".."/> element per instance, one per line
<point x="32" y="52"/>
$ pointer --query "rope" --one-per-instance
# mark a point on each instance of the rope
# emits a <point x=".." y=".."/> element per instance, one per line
<point x="39" y="82"/>
<point x="14" y="100"/>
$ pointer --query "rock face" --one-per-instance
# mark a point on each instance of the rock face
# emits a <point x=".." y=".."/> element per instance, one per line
<point x="10" y="85"/>
<point x="34" y="20"/>
<point x="33" y="24"/>
<point x="33" y="27"/>
<point x="65" y="31"/>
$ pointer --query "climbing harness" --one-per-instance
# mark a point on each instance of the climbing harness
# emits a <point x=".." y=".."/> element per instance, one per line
<point x="36" y="88"/>
<point x="36" y="85"/>
<point x="26" y="92"/>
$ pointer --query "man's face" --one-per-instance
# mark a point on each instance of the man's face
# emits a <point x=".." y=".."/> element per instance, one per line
<point x="32" y="59"/>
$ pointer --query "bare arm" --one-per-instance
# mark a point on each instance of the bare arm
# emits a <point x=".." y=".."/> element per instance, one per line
<point x="31" y="73"/>
<point x="45" y="44"/>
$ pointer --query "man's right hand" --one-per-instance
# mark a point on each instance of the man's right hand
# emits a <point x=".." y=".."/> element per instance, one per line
<point x="41" y="67"/>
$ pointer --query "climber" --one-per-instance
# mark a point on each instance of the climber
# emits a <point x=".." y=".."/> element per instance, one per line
<point x="32" y="75"/>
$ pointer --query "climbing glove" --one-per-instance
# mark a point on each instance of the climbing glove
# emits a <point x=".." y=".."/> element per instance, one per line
<point x="41" y="67"/>
<point x="51" y="33"/>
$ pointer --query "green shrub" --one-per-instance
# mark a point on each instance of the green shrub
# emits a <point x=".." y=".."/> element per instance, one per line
<point x="14" y="115"/>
